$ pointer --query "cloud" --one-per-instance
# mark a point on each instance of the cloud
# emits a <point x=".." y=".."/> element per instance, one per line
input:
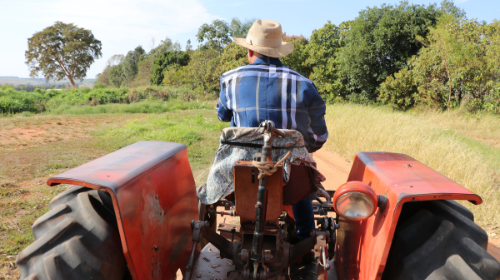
<point x="121" y="25"/>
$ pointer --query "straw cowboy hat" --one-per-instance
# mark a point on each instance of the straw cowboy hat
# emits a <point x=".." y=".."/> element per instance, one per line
<point x="264" y="37"/>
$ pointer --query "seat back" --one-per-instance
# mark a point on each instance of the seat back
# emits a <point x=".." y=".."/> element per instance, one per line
<point x="246" y="184"/>
<point x="299" y="185"/>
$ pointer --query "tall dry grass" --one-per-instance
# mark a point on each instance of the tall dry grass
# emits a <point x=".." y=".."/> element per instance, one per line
<point x="464" y="148"/>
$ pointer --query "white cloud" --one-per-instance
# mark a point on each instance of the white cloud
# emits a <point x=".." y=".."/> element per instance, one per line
<point x="121" y="25"/>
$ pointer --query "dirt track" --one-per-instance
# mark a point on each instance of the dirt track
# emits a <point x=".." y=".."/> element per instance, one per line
<point x="336" y="170"/>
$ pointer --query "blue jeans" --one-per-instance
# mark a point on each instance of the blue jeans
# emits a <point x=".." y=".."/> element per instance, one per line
<point x="304" y="218"/>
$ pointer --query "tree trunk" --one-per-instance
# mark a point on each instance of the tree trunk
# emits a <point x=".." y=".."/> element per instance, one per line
<point x="72" y="82"/>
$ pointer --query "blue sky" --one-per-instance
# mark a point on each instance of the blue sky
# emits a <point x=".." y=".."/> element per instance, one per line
<point x="122" y="25"/>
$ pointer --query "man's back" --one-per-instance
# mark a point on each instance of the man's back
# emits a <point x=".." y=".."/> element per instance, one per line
<point x="267" y="90"/>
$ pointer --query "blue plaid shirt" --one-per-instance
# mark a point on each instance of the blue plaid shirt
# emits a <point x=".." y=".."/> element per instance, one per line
<point x="267" y="90"/>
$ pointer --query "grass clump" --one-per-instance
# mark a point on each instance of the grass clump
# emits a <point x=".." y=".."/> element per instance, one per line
<point x="458" y="146"/>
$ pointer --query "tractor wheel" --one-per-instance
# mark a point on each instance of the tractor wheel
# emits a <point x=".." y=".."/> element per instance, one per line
<point x="439" y="240"/>
<point x="76" y="239"/>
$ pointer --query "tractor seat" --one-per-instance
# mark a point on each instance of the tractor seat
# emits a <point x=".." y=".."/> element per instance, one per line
<point x="298" y="176"/>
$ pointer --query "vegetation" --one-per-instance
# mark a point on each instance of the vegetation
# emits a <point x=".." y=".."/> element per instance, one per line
<point x="464" y="148"/>
<point x="457" y="66"/>
<point x="62" y="50"/>
<point x="81" y="100"/>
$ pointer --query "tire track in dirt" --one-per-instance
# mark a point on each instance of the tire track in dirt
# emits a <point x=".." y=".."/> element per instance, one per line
<point x="336" y="170"/>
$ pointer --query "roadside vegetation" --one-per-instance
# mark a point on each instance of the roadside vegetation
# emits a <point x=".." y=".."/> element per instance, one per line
<point x="461" y="146"/>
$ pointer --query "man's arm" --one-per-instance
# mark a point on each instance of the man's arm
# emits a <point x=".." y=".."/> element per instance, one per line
<point x="225" y="114"/>
<point x="316" y="110"/>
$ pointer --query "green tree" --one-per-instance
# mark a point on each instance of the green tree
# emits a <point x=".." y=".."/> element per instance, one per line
<point x="379" y="43"/>
<point x="239" y="29"/>
<point x="457" y="66"/>
<point x="162" y="62"/>
<point x="214" y="36"/>
<point x="448" y="7"/>
<point x="62" y="50"/>
<point x="130" y="63"/>
<point x="189" y="47"/>
<point x="296" y="60"/>
<point x="322" y="57"/>
<point x="116" y="75"/>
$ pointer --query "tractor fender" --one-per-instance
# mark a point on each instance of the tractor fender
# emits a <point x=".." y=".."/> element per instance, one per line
<point x="154" y="199"/>
<point x="363" y="246"/>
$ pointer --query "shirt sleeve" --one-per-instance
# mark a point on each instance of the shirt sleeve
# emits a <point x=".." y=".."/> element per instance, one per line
<point x="316" y="110"/>
<point x="224" y="114"/>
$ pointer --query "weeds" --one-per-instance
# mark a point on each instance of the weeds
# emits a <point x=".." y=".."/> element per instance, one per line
<point x="460" y="147"/>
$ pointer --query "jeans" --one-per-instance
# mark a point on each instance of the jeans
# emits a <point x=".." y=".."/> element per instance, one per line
<point x="304" y="218"/>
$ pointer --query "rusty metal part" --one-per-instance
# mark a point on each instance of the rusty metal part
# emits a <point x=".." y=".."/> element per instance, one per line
<point x="299" y="249"/>
<point x="151" y="211"/>
<point x="363" y="246"/>
<point x="246" y="186"/>
<point x="299" y="185"/>
<point x="220" y="268"/>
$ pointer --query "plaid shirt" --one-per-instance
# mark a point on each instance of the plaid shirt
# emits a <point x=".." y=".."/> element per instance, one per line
<point x="267" y="90"/>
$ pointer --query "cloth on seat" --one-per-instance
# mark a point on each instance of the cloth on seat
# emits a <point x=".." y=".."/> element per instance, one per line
<point x="220" y="182"/>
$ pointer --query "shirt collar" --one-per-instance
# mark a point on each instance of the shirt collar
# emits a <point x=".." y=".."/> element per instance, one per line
<point x="267" y="60"/>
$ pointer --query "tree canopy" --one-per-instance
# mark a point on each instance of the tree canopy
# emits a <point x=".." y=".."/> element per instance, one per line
<point x="215" y="35"/>
<point x="379" y="43"/>
<point x="163" y="61"/>
<point x="62" y="50"/>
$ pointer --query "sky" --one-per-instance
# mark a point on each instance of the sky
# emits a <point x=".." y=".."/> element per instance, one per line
<point x="122" y="25"/>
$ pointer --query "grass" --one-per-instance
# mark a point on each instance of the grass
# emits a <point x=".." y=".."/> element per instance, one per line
<point x="143" y="107"/>
<point x="36" y="147"/>
<point x="462" y="147"/>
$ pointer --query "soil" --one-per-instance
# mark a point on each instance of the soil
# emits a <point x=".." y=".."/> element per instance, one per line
<point x="336" y="170"/>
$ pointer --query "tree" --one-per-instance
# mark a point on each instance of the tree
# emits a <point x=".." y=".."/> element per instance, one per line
<point x="189" y="47"/>
<point x="322" y="56"/>
<point x="238" y="29"/>
<point x="116" y="59"/>
<point x="296" y="60"/>
<point x="130" y="63"/>
<point x="163" y="61"/>
<point x="448" y="7"/>
<point x="215" y="35"/>
<point x="116" y="76"/>
<point x="379" y="43"/>
<point x="457" y="66"/>
<point x="62" y="50"/>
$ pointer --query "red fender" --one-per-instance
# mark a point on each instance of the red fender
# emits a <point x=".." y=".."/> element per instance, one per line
<point x="363" y="246"/>
<point x="154" y="197"/>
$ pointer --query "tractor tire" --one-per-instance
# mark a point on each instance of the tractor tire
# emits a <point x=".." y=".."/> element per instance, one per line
<point x="439" y="240"/>
<point x="77" y="239"/>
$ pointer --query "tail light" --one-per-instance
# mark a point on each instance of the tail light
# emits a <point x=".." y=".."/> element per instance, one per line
<point x="355" y="201"/>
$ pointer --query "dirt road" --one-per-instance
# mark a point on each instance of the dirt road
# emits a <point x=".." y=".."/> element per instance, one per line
<point x="336" y="170"/>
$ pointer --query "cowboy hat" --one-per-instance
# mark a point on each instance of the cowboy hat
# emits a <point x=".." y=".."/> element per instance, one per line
<point x="264" y="37"/>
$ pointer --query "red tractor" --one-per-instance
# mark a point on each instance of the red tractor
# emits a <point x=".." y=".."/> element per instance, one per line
<point x="134" y="214"/>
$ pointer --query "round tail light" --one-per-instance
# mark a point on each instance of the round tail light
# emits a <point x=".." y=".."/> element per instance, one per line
<point x="355" y="201"/>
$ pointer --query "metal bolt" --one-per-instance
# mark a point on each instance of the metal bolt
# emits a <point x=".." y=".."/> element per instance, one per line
<point x="321" y="237"/>
<point x="197" y="226"/>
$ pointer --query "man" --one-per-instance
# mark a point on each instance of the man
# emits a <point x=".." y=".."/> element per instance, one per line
<point x="267" y="90"/>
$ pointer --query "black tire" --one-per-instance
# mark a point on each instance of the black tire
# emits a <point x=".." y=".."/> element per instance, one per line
<point x="76" y="239"/>
<point x="439" y="240"/>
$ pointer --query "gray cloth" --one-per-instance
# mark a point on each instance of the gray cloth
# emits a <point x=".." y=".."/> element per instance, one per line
<point x="220" y="182"/>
